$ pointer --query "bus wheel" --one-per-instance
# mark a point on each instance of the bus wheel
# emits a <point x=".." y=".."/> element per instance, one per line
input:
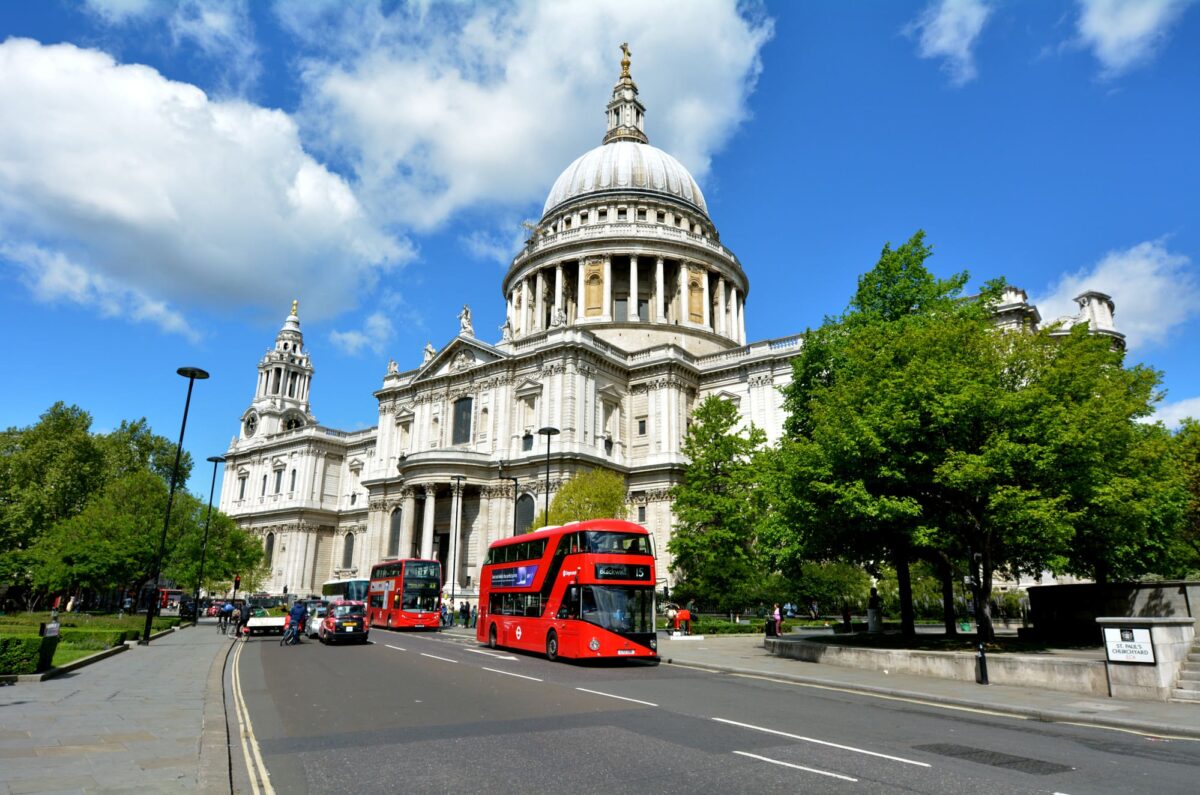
<point x="492" y="637"/>
<point x="551" y="645"/>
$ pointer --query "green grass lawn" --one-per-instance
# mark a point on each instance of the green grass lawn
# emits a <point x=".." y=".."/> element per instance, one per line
<point x="20" y="622"/>
<point x="65" y="654"/>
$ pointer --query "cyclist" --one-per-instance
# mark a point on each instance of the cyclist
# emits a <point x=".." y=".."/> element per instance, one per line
<point x="235" y="620"/>
<point x="297" y="616"/>
<point x="223" y="617"/>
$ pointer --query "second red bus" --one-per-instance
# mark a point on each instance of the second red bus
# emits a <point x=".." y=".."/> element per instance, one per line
<point x="405" y="594"/>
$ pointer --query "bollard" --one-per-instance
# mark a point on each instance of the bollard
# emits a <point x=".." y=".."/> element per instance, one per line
<point x="981" y="676"/>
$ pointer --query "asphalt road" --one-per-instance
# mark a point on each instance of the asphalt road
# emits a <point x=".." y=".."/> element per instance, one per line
<point x="430" y="713"/>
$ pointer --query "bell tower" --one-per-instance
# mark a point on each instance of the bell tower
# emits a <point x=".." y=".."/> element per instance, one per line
<point x="284" y="378"/>
<point x="626" y="113"/>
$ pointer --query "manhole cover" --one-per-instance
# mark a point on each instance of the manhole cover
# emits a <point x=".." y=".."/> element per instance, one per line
<point x="983" y="756"/>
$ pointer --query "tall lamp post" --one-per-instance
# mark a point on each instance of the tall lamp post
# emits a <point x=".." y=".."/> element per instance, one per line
<point x="192" y="374"/>
<point x="458" y="495"/>
<point x="516" y="486"/>
<point x="215" y="459"/>
<point x="548" y="431"/>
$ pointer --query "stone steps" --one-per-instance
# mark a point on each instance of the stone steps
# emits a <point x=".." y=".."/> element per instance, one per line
<point x="1187" y="688"/>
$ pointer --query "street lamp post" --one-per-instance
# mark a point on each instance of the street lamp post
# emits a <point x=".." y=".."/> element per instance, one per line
<point x="192" y="374"/>
<point x="516" y="487"/>
<point x="458" y="494"/>
<point x="548" y="431"/>
<point x="215" y="459"/>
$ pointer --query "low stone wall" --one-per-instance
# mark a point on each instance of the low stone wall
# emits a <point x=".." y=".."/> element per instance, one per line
<point x="1172" y="640"/>
<point x="1069" y="612"/>
<point x="1024" y="670"/>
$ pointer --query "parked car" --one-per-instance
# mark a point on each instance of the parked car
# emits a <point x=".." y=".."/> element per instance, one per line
<point x="344" y="621"/>
<point x="263" y="623"/>
<point x="316" y="616"/>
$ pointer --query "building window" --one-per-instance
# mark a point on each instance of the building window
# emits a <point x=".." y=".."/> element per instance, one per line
<point x="641" y="215"/>
<point x="583" y="217"/>
<point x="525" y="508"/>
<point x="394" y="536"/>
<point x="641" y="514"/>
<point x="641" y="426"/>
<point x="270" y="549"/>
<point x="242" y="487"/>
<point x="353" y="497"/>
<point x="264" y="489"/>
<point x="278" y="480"/>
<point x="348" y="551"/>
<point x="661" y="217"/>
<point x="462" y="421"/>
<point x="293" y="486"/>
<point x="527" y="442"/>
<point x="621" y="214"/>
<point x="602" y="215"/>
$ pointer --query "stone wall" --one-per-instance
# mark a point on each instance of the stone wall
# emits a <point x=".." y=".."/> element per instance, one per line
<point x="1062" y="613"/>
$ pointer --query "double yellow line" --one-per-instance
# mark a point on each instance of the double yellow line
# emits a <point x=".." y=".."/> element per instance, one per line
<point x="260" y="779"/>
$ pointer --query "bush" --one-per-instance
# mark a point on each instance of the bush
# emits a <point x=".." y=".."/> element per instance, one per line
<point x="26" y="654"/>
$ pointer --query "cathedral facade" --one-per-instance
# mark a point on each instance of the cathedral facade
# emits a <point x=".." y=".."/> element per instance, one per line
<point x="623" y="310"/>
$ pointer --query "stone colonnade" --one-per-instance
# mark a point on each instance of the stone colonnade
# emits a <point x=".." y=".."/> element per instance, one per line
<point x="540" y="300"/>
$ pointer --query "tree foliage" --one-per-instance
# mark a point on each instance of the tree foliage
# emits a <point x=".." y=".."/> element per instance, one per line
<point x="596" y="494"/>
<point x="717" y="506"/>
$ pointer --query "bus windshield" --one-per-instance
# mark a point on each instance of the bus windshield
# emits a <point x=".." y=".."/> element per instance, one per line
<point x="422" y="585"/>
<point x="619" y="608"/>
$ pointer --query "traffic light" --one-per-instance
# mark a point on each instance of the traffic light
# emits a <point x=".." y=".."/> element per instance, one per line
<point x="237" y="581"/>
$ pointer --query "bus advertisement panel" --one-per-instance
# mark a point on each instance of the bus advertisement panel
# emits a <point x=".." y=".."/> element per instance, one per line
<point x="583" y="590"/>
<point x="348" y="590"/>
<point x="405" y="594"/>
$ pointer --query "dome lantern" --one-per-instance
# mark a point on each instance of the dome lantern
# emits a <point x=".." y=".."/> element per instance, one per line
<point x="626" y="113"/>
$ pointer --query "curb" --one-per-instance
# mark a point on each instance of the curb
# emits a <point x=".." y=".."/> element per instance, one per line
<point x="214" y="775"/>
<point x="1017" y="710"/>
<point x="71" y="666"/>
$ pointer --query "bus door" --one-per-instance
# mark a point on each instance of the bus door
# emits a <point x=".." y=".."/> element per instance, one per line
<point x="567" y="622"/>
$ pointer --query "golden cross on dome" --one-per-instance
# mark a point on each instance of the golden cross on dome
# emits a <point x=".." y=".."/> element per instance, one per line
<point x="625" y="60"/>
<point x="295" y="305"/>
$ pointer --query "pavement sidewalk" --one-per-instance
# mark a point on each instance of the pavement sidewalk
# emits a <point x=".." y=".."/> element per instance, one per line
<point x="745" y="654"/>
<point x="135" y="722"/>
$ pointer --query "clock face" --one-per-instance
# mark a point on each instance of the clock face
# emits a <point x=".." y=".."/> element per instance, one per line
<point x="251" y="424"/>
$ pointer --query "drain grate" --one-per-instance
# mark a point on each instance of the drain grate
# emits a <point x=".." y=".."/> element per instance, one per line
<point x="983" y="756"/>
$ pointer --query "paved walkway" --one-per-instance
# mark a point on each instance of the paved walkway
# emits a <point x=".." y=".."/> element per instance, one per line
<point x="133" y="722"/>
<point x="152" y="719"/>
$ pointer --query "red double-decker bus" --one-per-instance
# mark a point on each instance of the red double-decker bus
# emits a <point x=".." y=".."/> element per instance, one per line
<point x="405" y="594"/>
<point x="583" y="590"/>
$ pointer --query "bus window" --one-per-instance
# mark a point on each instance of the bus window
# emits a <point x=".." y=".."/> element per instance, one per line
<point x="570" y="603"/>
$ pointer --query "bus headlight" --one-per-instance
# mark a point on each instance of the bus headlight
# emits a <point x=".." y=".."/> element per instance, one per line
<point x="594" y="644"/>
<point x="654" y="643"/>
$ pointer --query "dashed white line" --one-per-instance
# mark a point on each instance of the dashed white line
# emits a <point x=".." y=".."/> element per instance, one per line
<point x="610" y="695"/>
<point x="510" y="673"/>
<point x="491" y="654"/>
<point x="397" y="648"/>
<point x="823" y="742"/>
<point x="795" y="767"/>
<point x="435" y="657"/>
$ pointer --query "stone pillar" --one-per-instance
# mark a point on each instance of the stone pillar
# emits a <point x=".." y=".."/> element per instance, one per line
<point x="660" y="311"/>
<point x="456" y="534"/>
<point x="558" y="291"/>
<point x="427" y="529"/>
<point x="633" y="290"/>
<point x="705" y="310"/>
<point x="742" y="320"/>
<point x="526" y="313"/>
<point x="682" y="295"/>
<point x="408" y="520"/>
<point x="539" y="302"/>
<point x="606" y="305"/>
<point x="580" y="301"/>
<point x="722" y="321"/>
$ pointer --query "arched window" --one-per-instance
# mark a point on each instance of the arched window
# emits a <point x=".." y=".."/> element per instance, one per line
<point x="525" y="508"/>
<point x="270" y="548"/>
<point x="594" y="295"/>
<point x="348" y="551"/>
<point x="394" y="535"/>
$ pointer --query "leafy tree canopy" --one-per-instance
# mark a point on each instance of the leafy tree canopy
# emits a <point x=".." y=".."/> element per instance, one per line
<point x="597" y="494"/>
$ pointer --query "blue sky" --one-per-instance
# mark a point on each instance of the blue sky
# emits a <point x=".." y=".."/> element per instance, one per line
<point x="173" y="175"/>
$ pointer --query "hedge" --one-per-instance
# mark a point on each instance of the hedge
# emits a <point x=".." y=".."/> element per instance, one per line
<point x="94" y="639"/>
<point x="26" y="654"/>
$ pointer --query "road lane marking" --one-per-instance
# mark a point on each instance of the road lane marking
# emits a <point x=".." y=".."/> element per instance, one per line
<point x="491" y="654"/>
<point x="823" y="742"/>
<point x="510" y="673"/>
<point x="434" y="656"/>
<point x="255" y="767"/>
<point x="397" y="648"/>
<point x="795" y="767"/>
<point x="610" y="695"/>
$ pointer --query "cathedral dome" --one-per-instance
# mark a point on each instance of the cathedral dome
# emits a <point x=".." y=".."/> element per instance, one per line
<point x="625" y="165"/>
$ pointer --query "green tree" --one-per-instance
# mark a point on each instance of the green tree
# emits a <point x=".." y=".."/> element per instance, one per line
<point x="1185" y="547"/>
<point x="597" y="494"/>
<point x="717" y="506"/>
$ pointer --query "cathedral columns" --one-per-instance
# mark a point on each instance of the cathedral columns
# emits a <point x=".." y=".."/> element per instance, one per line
<point x="681" y="295"/>
<point x="580" y="303"/>
<point x="632" y="314"/>
<point x="558" y="293"/>
<point x="540" y="302"/>
<point x="408" y="521"/>
<point x="705" y="307"/>
<point x="525" y="309"/>
<point x="722" y="321"/>
<point x="660" y="315"/>
<point x="427" y="530"/>
<point x="454" y="560"/>
<point x="606" y="307"/>
<point x="741" y="318"/>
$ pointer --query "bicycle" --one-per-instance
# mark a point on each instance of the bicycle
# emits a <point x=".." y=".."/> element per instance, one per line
<point x="291" y="636"/>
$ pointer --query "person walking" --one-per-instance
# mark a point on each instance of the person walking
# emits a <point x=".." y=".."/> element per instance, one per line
<point x="464" y="612"/>
<point x="778" y="618"/>
<point x="474" y="616"/>
<point x="235" y="619"/>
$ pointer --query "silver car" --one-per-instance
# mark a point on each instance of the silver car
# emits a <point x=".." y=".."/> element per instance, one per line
<point x="316" y="614"/>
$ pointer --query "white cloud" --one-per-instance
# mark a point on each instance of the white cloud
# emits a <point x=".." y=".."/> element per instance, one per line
<point x="1123" y="34"/>
<point x="1153" y="289"/>
<point x="53" y="278"/>
<point x="221" y="29"/>
<point x="149" y="188"/>
<point x="1171" y="414"/>
<point x="500" y="244"/>
<point x="376" y="333"/>
<point x="440" y="107"/>
<point x="949" y="29"/>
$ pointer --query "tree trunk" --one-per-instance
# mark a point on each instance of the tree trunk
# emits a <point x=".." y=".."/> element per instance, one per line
<point x="908" y="626"/>
<point x="986" y="632"/>
<point x="946" y="575"/>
